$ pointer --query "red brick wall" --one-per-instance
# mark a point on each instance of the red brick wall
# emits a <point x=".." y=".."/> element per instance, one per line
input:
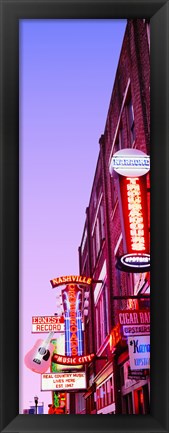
<point x="134" y="64"/>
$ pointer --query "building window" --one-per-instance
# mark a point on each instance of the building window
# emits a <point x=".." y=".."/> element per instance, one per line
<point x="128" y="404"/>
<point x="146" y="399"/>
<point x="138" y="401"/>
<point x="98" y="232"/>
<point x="122" y="375"/>
<point x="147" y="23"/>
<point x="101" y="317"/>
<point x="102" y="223"/>
<point x="109" y="394"/>
<point x="131" y="124"/>
<point x="105" y="394"/>
<point x="119" y="143"/>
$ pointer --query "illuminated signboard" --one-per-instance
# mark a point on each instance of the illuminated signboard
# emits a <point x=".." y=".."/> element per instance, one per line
<point x="134" y="322"/>
<point x="63" y="381"/>
<point x="134" y="262"/>
<point x="59" y="402"/>
<point x="47" y="324"/>
<point x="135" y="217"/>
<point x="71" y="279"/>
<point x="139" y="352"/>
<point x="130" y="163"/>
<point x="72" y="304"/>
<point x="115" y="337"/>
<point x="72" y="360"/>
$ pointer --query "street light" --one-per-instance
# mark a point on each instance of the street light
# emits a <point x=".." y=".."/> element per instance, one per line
<point x="36" y="404"/>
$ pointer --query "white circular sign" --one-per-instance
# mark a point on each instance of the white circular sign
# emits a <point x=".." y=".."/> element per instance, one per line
<point x="130" y="163"/>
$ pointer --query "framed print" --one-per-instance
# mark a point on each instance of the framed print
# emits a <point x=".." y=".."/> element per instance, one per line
<point x="84" y="110"/>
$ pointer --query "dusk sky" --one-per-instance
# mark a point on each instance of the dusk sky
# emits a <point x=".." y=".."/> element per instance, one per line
<point x="67" y="71"/>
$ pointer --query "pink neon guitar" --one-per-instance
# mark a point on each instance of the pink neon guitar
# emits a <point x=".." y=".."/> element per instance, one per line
<point x="38" y="358"/>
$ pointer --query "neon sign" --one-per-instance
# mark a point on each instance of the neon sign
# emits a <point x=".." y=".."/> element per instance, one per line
<point x="133" y="196"/>
<point x="130" y="162"/>
<point x="71" y="279"/>
<point x="70" y="360"/>
<point x="135" y="262"/>
<point x="47" y="324"/>
<point x="72" y="304"/>
<point x="115" y="336"/>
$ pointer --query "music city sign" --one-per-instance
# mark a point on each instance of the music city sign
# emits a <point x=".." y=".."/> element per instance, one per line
<point x="73" y="360"/>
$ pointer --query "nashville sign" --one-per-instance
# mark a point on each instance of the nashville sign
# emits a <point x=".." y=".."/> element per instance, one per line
<point x="71" y="279"/>
<point x="72" y="360"/>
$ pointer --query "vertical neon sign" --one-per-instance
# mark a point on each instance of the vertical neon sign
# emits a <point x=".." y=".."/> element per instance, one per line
<point x="134" y="205"/>
<point x="72" y="304"/>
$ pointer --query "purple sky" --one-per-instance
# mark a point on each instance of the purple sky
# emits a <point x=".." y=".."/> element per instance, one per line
<point x="67" y="70"/>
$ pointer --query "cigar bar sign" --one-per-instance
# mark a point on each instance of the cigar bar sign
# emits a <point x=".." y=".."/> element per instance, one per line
<point x="134" y="322"/>
<point x="63" y="381"/>
<point x="47" y="324"/>
<point x="76" y="279"/>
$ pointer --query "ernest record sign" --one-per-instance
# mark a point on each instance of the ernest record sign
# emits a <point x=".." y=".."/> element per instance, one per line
<point x="47" y="324"/>
<point x="139" y="352"/>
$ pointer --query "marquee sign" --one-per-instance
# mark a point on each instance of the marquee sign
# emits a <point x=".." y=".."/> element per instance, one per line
<point x="63" y="381"/>
<point x="134" y="262"/>
<point x="71" y="279"/>
<point x="47" y="324"/>
<point x="130" y="163"/>
<point x="72" y="360"/>
<point x="139" y="352"/>
<point x="115" y="336"/>
<point x="134" y="322"/>
<point x="72" y="304"/>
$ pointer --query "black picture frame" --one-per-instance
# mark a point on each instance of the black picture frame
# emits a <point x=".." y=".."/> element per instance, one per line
<point x="11" y="12"/>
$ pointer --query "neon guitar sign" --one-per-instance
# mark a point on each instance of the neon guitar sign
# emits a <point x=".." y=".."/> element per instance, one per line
<point x="72" y="304"/>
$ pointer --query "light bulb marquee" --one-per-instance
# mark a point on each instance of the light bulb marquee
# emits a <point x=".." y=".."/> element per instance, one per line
<point x="75" y="279"/>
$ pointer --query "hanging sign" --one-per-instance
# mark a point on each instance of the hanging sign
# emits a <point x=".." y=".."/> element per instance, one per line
<point x="72" y="360"/>
<point x="134" y="205"/>
<point x="136" y="374"/>
<point x="134" y="322"/>
<point x="115" y="336"/>
<point x="63" y="381"/>
<point x="130" y="162"/>
<point x="72" y="304"/>
<point x="47" y="324"/>
<point x="71" y="279"/>
<point x="135" y="262"/>
<point x="139" y="352"/>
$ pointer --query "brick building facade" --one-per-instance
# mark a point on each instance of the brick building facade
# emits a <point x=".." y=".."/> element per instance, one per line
<point x="109" y="389"/>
